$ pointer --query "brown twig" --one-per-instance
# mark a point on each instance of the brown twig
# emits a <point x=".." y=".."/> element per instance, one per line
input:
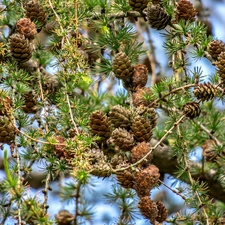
<point x="36" y="140"/>
<point x="196" y="192"/>
<point x="209" y="133"/>
<point x="176" y="192"/>
<point x="77" y="203"/>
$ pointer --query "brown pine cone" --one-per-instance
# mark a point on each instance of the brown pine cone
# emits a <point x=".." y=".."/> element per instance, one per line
<point x="139" y="151"/>
<point x="185" y="11"/>
<point x="191" y="109"/>
<point x="215" y="47"/>
<point x="35" y="12"/>
<point x="64" y="217"/>
<point x="117" y="160"/>
<point x="121" y="66"/>
<point x="138" y="5"/>
<point x="157" y="17"/>
<point x="119" y="117"/>
<point x="26" y="27"/>
<point x="142" y="128"/>
<point x="5" y="104"/>
<point x="145" y="180"/>
<point x="98" y="163"/>
<point x="148" y="209"/>
<point x="162" y="212"/>
<point x="221" y="65"/>
<point x="205" y="91"/>
<point x="99" y="125"/>
<point x="20" y="47"/>
<point x="101" y="169"/>
<point x="125" y="178"/>
<point x="139" y="78"/>
<point x="148" y="113"/>
<point x="209" y="151"/>
<point x="30" y="103"/>
<point x="142" y="96"/>
<point x="60" y="149"/>
<point x="7" y="130"/>
<point x="122" y="138"/>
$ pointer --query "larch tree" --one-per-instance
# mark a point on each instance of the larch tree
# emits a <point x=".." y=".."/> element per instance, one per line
<point x="83" y="94"/>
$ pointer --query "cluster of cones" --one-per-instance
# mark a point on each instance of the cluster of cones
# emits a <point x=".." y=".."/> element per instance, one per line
<point x="7" y="127"/>
<point x="157" y="16"/>
<point x="216" y="49"/>
<point x="207" y="91"/>
<point x="123" y="139"/>
<point x="124" y="136"/>
<point x="20" y="42"/>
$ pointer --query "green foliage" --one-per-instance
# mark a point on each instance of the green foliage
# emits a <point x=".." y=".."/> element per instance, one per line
<point x="49" y="105"/>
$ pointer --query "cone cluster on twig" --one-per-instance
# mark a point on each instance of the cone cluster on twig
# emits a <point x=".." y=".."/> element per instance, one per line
<point x="121" y="133"/>
<point x="124" y="139"/>
<point x="20" y="43"/>
<point x="122" y="128"/>
<point x="154" y="211"/>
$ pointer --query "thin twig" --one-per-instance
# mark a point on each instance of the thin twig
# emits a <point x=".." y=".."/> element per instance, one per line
<point x="18" y="188"/>
<point x="197" y="194"/>
<point x="18" y="183"/>
<point x="36" y="140"/>
<point x="110" y="16"/>
<point x="218" y="143"/>
<point x="71" y="114"/>
<point x="77" y="203"/>
<point x="176" y="192"/>
<point x="42" y="95"/>
<point x="172" y="92"/>
<point x="58" y="20"/>
<point x="45" y="192"/>
<point x="209" y="133"/>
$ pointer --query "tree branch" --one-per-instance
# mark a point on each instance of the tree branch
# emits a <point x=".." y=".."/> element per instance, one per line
<point x="167" y="163"/>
